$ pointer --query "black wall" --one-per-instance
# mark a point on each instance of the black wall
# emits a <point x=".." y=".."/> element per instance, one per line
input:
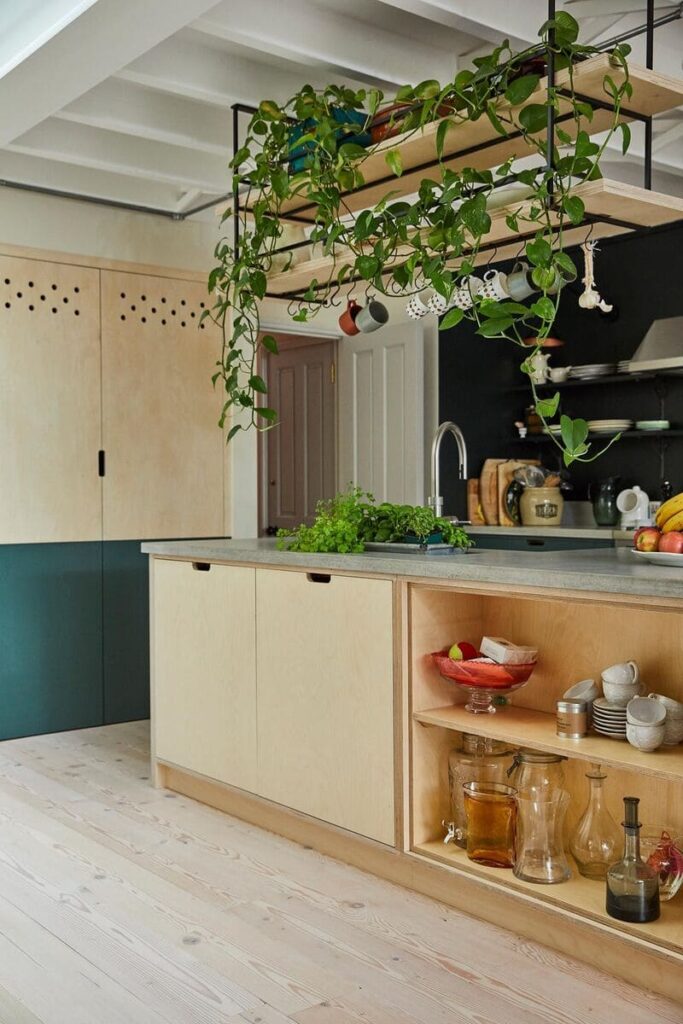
<point x="479" y="379"/>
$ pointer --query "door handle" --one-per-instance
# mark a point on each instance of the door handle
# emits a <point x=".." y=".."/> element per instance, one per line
<point x="201" y="566"/>
<point x="318" y="577"/>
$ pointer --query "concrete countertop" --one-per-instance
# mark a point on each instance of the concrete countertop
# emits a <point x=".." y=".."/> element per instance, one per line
<point x="609" y="571"/>
<point x="568" y="532"/>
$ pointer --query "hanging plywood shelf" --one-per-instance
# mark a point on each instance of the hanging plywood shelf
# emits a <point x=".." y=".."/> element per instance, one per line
<point x="477" y="144"/>
<point x="612" y="208"/>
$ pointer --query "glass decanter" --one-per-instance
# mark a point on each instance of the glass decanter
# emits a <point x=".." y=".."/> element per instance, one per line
<point x="632" y="885"/>
<point x="596" y="840"/>
<point x="480" y="759"/>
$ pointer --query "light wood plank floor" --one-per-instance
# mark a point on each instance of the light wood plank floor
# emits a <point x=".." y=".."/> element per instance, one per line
<point x="121" y="904"/>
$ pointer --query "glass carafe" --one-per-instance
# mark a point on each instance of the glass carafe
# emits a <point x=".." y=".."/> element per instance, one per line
<point x="596" y="840"/>
<point x="491" y="812"/>
<point x="632" y="885"/>
<point x="533" y="773"/>
<point x="480" y="759"/>
<point x="539" y="845"/>
<point x="604" y="498"/>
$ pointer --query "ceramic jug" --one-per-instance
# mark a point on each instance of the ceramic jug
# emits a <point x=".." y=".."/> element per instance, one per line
<point x="539" y="367"/>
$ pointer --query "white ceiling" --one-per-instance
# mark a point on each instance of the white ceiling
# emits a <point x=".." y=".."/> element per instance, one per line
<point x="130" y="100"/>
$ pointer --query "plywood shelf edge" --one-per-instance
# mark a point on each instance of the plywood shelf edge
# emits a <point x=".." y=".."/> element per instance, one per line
<point x="526" y="727"/>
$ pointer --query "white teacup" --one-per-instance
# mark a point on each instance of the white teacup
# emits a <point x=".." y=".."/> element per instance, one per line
<point x="673" y="725"/>
<point x="624" y="672"/>
<point x="644" y="711"/>
<point x="645" y="737"/>
<point x="559" y="374"/>
<point x="463" y="297"/>
<point x="674" y="708"/>
<point x="586" y="690"/>
<point x="495" y="286"/>
<point x="621" y="693"/>
<point x="418" y="305"/>
<point x="518" y="284"/>
<point x="437" y="304"/>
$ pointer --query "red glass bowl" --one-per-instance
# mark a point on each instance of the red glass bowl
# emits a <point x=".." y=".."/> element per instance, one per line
<point x="482" y="681"/>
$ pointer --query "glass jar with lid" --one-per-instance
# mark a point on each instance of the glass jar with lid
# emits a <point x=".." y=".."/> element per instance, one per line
<point x="480" y="759"/>
<point x="536" y="774"/>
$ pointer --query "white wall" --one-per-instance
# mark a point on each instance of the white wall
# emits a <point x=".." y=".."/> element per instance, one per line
<point x="85" y="229"/>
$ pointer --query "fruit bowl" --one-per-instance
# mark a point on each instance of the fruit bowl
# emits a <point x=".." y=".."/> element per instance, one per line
<point x="482" y="680"/>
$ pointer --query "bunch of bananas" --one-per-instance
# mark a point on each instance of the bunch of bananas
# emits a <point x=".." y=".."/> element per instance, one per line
<point x="669" y="515"/>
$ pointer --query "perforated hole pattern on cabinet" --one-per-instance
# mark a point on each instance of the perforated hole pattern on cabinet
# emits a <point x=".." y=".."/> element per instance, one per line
<point x="146" y="309"/>
<point x="19" y="294"/>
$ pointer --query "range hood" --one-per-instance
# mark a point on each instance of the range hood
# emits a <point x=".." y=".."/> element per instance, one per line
<point x="661" y="348"/>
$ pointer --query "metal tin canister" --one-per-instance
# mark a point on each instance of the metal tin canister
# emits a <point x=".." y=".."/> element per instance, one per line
<point x="572" y="719"/>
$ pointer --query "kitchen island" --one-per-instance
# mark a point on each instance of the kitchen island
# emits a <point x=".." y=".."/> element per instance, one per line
<point x="296" y="691"/>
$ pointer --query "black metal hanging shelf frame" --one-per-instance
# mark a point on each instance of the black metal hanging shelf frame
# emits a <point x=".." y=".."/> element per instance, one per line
<point x="307" y="295"/>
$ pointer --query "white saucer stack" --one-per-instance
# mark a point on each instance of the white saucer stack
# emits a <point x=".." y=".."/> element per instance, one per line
<point x="609" y="719"/>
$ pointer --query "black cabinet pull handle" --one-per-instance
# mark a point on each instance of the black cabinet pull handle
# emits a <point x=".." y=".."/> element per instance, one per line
<point x="318" y="577"/>
<point x="201" y="566"/>
<point x="535" y="542"/>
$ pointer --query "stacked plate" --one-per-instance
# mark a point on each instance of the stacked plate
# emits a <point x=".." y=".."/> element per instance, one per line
<point x="609" y="719"/>
<point x="592" y="370"/>
<point x="609" y="426"/>
<point x="624" y="366"/>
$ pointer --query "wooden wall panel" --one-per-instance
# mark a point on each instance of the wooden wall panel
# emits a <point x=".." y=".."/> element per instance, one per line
<point x="50" y="413"/>
<point x="165" y="454"/>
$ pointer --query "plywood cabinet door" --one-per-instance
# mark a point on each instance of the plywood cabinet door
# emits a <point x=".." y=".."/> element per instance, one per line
<point x="204" y="671"/>
<point x="50" y="409"/>
<point x="165" y="456"/>
<point x="325" y="698"/>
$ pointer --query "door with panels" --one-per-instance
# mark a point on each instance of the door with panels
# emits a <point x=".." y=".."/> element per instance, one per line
<point x="165" y="456"/>
<point x="50" y="497"/>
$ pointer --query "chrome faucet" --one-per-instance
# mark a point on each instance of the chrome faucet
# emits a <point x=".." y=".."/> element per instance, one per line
<point x="435" y="500"/>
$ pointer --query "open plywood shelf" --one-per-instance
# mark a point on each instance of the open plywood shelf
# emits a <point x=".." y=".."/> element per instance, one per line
<point x="477" y="144"/>
<point x="577" y="895"/>
<point x="525" y="727"/>
<point x="612" y="207"/>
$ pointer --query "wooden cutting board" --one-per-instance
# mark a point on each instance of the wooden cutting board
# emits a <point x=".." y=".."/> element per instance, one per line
<point x="505" y="471"/>
<point x="474" y="513"/>
<point x="488" y="490"/>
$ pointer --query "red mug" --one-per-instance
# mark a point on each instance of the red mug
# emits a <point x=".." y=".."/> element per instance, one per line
<point x="347" y="321"/>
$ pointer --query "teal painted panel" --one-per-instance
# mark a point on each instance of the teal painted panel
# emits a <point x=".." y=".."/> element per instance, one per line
<point x="500" y="542"/>
<point x="50" y="638"/>
<point x="126" y="631"/>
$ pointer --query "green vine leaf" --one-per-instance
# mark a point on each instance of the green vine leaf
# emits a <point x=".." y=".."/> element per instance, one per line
<point x="521" y="89"/>
<point x="394" y="162"/>
<point x="544" y="308"/>
<point x="451" y="319"/>
<point x="547" y="407"/>
<point x="534" y="117"/>
<point x="625" y="130"/>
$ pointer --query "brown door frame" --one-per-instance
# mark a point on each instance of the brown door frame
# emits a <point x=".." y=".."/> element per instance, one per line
<point x="289" y="340"/>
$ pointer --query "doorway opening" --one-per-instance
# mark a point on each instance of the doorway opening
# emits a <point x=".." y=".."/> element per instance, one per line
<point x="298" y="456"/>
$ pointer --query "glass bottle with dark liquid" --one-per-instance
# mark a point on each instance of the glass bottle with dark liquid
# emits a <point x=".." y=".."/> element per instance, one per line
<point x="632" y="885"/>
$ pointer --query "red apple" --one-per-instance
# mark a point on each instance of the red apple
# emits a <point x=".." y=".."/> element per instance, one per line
<point x="462" y="651"/>
<point x="646" y="538"/>
<point x="672" y="542"/>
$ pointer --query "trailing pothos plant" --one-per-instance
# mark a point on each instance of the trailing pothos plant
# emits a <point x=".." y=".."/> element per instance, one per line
<point x="431" y="238"/>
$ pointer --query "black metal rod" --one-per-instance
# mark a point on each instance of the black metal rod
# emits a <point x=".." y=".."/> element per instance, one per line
<point x="623" y="37"/>
<point x="236" y="110"/>
<point x="79" y="197"/>
<point x="649" y="63"/>
<point x="550" y="128"/>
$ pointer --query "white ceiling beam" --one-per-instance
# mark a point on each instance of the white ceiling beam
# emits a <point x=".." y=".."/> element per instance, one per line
<point x="491" y="20"/>
<point x="316" y="37"/>
<point x="134" y="110"/>
<point x="63" y="177"/>
<point x="106" y="37"/>
<point x="184" y="67"/>
<point x="141" y="158"/>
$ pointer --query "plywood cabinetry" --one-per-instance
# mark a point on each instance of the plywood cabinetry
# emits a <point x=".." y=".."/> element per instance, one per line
<point x="49" y="402"/>
<point x="325" y="698"/>
<point x="165" y="453"/>
<point x="204" y="658"/>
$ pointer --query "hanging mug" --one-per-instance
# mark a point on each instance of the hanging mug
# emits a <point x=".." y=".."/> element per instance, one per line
<point x="418" y="306"/>
<point x="463" y="297"/>
<point x="347" y="321"/>
<point x="495" y="286"/>
<point x="519" y="284"/>
<point x="372" y="316"/>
